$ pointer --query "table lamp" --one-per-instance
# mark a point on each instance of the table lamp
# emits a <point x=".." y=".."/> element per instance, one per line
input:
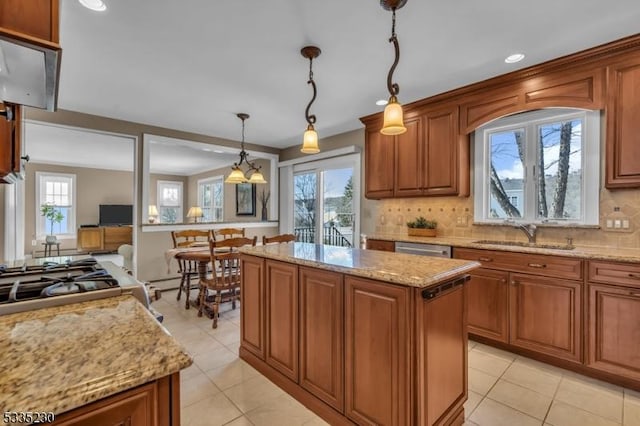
<point x="195" y="212"/>
<point x="153" y="213"/>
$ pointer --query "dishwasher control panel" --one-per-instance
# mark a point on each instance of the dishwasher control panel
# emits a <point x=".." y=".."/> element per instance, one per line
<point x="422" y="249"/>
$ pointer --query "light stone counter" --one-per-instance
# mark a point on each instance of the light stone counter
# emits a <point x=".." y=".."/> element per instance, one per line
<point x="397" y="268"/>
<point x="58" y="359"/>
<point x="585" y="252"/>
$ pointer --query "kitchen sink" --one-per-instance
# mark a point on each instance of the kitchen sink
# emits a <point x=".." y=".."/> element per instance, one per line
<point x="523" y="244"/>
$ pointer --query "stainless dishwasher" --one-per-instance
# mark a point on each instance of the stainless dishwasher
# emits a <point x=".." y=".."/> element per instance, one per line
<point x="422" y="249"/>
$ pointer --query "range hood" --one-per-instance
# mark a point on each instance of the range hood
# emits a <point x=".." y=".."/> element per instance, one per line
<point x="29" y="71"/>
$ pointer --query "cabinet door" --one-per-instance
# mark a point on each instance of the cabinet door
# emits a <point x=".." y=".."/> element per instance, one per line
<point x="90" y="239"/>
<point x="377" y="364"/>
<point x="282" y="317"/>
<point x="408" y="162"/>
<point x="623" y="128"/>
<point x="440" y="153"/>
<point x="489" y="304"/>
<point x="614" y="339"/>
<point x="545" y="315"/>
<point x="322" y="335"/>
<point x="379" y="164"/>
<point x="35" y="18"/>
<point x="10" y="145"/>
<point x="252" y="294"/>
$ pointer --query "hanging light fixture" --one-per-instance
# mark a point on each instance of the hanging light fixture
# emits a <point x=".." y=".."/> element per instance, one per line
<point x="393" y="120"/>
<point x="239" y="176"/>
<point x="310" y="138"/>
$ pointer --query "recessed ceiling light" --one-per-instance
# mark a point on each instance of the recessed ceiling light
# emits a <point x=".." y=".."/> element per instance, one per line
<point x="516" y="57"/>
<point x="97" y="5"/>
<point x="207" y="149"/>
<point x="382" y="102"/>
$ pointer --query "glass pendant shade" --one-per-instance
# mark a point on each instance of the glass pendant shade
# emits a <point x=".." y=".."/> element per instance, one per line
<point x="393" y="119"/>
<point x="310" y="141"/>
<point x="236" y="176"/>
<point x="257" y="177"/>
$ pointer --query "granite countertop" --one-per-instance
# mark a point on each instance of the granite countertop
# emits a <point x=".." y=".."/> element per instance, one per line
<point x="58" y="359"/>
<point x="585" y="252"/>
<point x="397" y="268"/>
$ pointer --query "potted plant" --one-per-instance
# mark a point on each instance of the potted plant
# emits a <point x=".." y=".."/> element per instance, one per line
<point x="53" y="215"/>
<point x="421" y="227"/>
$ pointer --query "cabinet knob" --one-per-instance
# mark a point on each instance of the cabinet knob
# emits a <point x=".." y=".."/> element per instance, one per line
<point x="25" y="158"/>
<point x="514" y="282"/>
<point x="503" y="281"/>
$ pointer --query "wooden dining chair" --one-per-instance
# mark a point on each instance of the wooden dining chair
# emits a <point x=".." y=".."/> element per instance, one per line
<point x="224" y="233"/>
<point x="188" y="269"/>
<point x="224" y="284"/>
<point x="282" y="238"/>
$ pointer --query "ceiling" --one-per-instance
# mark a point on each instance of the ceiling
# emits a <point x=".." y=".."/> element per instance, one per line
<point x="192" y="65"/>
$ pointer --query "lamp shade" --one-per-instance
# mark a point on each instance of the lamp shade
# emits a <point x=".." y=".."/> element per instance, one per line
<point x="393" y="119"/>
<point x="310" y="141"/>
<point x="236" y="176"/>
<point x="257" y="177"/>
<point x="153" y="210"/>
<point x="194" y="212"/>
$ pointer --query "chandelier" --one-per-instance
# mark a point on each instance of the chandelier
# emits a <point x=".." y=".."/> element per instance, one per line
<point x="237" y="175"/>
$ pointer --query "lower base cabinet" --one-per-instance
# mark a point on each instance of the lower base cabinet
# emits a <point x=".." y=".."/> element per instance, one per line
<point x="153" y="404"/>
<point x="366" y="352"/>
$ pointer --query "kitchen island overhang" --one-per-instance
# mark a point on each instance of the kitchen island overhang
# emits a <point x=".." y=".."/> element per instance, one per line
<point x="358" y="336"/>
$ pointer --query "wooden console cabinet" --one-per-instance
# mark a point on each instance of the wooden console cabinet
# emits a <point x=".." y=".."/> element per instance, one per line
<point x="356" y="350"/>
<point x="104" y="238"/>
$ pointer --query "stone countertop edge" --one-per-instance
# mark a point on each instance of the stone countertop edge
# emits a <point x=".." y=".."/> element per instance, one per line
<point x="396" y="268"/>
<point x="61" y="358"/>
<point x="585" y="252"/>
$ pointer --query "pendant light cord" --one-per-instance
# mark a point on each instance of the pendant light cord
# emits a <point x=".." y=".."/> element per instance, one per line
<point x="311" y="119"/>
<point x="393" y="88"/>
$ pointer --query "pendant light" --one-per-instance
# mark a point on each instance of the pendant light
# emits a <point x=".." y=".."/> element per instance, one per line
<point x="393" y="120"/>
<point x="237" y="175"/>
<point x="310" y="138"/>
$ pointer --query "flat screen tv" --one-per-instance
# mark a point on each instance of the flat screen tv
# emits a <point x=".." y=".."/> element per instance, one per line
<point x="116" y="214"/>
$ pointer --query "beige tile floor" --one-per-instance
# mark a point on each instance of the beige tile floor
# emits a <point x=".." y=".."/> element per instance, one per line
<point x="504" y="388"/>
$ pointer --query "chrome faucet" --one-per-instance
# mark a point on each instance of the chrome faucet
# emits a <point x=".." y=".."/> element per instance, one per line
<point x="529" y="229"/>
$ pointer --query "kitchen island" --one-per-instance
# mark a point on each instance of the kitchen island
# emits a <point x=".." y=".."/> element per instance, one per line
<point x="358" y="336"/>
<point x="97" y="362"/>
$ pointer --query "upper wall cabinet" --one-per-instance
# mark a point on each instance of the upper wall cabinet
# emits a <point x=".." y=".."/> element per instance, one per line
<point x="33" y="18"/>
<point x="623" y="124"/>
<point x="429" y="159"/>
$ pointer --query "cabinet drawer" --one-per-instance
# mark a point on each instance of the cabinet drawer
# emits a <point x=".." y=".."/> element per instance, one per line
<point x="537" y="264"/>
<point x="627" y="274"/>
<point x="381" y="245"/>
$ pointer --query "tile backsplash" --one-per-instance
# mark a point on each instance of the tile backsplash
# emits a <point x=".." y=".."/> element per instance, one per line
<point x="455" y="219"/>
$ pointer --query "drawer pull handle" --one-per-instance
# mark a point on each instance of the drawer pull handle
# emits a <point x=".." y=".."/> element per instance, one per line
<point x="485" y="259"/>
<point x="636" y="276"/>
<point x="537" y="265"/>
<point x="634" y="294"/>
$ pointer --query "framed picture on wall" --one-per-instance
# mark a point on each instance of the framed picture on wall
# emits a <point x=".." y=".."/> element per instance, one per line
<point x="246" y="199"/>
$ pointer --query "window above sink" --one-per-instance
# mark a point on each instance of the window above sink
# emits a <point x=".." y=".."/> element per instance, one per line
<point x="538" y="167"/>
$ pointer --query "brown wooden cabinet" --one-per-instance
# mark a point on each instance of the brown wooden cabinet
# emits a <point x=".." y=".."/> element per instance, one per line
<point x="322" y="335"/>
<point x="488" y="310"/>
<point x="281" y="319"/>
<point x="11" y="144"/>
<point x="430" y="158"/>
<point x="34" y="18"/>
<point x="613" y="303"/>
<point x="153" y="404"/>
<point x="104" y="238"/>
<point x="623" y="116"/>
<point x="90" y="238"/>
<point x="252" y="289"/>
<point x="381" y="245"/>
<point x="527" y="300"/>
<point x="377" y="350"/>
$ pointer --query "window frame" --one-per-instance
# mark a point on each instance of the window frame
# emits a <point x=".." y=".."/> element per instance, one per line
<point x="207" y="181"/>
<point x="41" y="222"/>
<point x="180" y="206"/>
<point x="530" y="121"/>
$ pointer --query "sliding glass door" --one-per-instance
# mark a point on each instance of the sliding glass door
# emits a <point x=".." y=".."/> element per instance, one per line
<point x="324" y="206"/>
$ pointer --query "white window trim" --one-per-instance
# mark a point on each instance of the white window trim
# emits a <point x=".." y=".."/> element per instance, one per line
<point x="211" y="180"/>
<point x="590" y="166"/>
<point x="159" y="184"/>
<point x="41" y="233"/>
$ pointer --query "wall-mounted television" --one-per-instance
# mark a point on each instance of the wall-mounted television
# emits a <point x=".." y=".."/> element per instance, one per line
<point x="116" y="214"/>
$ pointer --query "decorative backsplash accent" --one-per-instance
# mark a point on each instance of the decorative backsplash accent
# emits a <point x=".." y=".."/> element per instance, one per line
<point x="455" y="219"/>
